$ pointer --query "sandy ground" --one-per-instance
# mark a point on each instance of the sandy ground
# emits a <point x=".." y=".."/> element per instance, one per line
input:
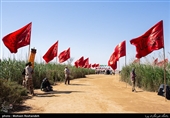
<point x="96" y="94"/>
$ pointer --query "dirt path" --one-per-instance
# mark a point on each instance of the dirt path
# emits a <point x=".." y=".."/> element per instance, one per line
<point x="96" y="94"/>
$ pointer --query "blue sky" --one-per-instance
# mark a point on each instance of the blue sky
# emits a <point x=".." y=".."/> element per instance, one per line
<point x="91" y="28"/>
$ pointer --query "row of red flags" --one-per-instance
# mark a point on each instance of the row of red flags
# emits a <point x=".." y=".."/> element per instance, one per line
<point x="53" y="52"/>
<point x="145" y="44"/>
<point x="84" y="63"/>
<point x="155" y="62"/>
<point x="160" y="63"/>
<point x="22" y="37"/>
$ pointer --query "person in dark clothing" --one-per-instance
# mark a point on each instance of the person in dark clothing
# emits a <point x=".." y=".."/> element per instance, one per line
<point x="46" y="86"/>
<point x="133" y="79"/>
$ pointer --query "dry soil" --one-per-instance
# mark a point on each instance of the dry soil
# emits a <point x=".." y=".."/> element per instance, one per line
<point x="96" y="93"/>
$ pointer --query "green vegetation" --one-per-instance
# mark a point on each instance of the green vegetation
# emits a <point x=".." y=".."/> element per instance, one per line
<point x="12" y="91"/>
<point x="149" y="77"/>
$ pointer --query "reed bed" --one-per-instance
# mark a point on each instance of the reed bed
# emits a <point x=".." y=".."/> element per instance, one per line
<point x="148" y="78"/>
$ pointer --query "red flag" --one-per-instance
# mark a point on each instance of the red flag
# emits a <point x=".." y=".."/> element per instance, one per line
<point x="51" y="53"/>
<point x="64" y="55"/>
<point x="113" y="61"/>
<point x="136" y="61"/>
<point x="89" y="66"/>
<point x="120" y="50"/>
<point x="114" y="66"/>
<point x="76" y="64"/>
<point x="79" y="62"/>
<point x="155" y="61"/>
<point x="86" y="63"/>
<point x="149" y="41"/>
<point x="97" y="65"/>
<point x="18" y="38"/>
<point x="161" y="63"/>
<point x="93" y="65"/>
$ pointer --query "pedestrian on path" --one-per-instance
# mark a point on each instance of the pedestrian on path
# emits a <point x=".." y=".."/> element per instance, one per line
<point x="28" y="78"/>
<point x="133" y="79"/>
<point x="67" y="75"/>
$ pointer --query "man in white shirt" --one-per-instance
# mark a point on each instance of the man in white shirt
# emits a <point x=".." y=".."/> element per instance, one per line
<point x="28" y="78"/>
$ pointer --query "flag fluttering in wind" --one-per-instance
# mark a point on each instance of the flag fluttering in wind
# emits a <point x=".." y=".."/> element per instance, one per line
<point x="161" y="63"/>
<point x="79" y="62"/>
<point x="155" y="61"/>
<point x="120" y="50"/>
<point x="136" y="60"/>
<point x="114" y="66"/>
<point x="64" y="55"/>
<point x="51" y="53"/>
<point x="89" y="66"/>
<point x="113" y="61"/>
<point x="151" y="40"/>
<point x="86" y="63"/>
<point x="18" y="38"/>
<point x="94" y="65"/>
<point x="97" y="65"/>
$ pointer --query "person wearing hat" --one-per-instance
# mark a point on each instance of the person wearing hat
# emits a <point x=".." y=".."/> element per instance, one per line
<point x="67" y="75"/>
<point x="28" y="78"/>
<point x="133" y="79"/>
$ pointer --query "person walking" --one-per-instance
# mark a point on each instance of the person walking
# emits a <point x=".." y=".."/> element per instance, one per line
<point x="67" y="75"/>
<point x="133" y="79"/>
<point x="28" y="78"/>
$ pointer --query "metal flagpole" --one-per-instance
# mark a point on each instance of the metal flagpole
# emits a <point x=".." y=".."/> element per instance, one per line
<point x="57" y="54"/>
<point x="56" y="60"/>
<point x="119" y="68"/>
<point x="1" y="35"/>
<point x="164" y="74"/>
<point x="164" y="68"/>
<point x="125" y="66"/>
<point x="28" y="51"/>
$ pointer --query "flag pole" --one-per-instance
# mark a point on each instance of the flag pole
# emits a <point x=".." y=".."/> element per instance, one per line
<point x="57" y="55"/>
<point x="164" y="73"/>
<point x="28" y="51"/>
<point x="125" y="66"/>
<point x="29" y="45"/>
<point x="1" y="36"/>
<point x="164" y="68"/>
<point x="56" y="59"/>
<point x="119" y="68"/>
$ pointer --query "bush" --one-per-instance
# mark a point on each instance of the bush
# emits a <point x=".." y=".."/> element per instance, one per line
<point x="11" y="92"/>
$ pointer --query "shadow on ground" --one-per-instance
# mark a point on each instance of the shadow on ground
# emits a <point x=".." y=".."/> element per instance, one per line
<point x="53" y="93"/>
<point x="18" y="108"/>
<point x="138" y="91"/>
<point x="80" y="84"/>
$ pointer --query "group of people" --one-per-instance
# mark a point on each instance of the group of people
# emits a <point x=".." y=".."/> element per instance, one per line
<point x="45" y="85"/>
